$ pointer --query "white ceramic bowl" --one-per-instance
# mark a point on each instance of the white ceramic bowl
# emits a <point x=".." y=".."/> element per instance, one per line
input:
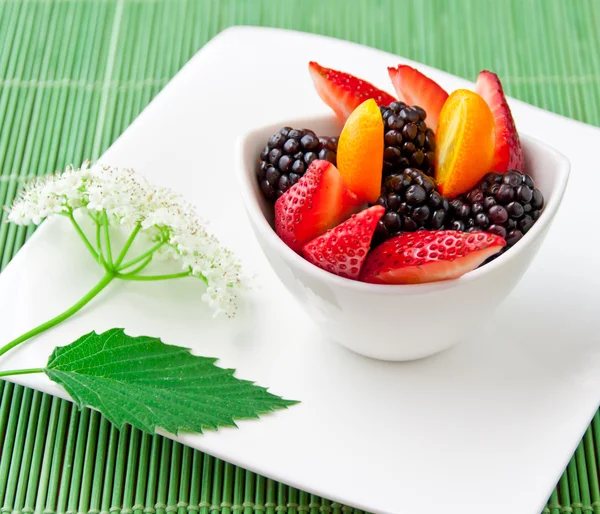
<point x="397" y="322"/>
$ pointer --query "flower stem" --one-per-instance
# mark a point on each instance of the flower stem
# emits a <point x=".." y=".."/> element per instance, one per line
<point x="139" y="268"/>
<point x="152" y="277"/>
<point x="13" y="372"/>
<point x="106" y="226"/>
<point x="99" y="244"/>
<point x="141" y="257"/>
<point x="93" y="217"/>
<point x="92" y="293"/>
<point x="84" y="238"/>
<point x="127" y="245"/>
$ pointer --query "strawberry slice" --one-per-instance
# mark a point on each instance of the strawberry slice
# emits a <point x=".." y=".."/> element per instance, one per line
<point x="318" y="201"/>
<point x="343" y="249"/>
<point x="414" y="88"/>
<point x="428" y="256"/>
<point x="344" y="92"/>
<point x="508" y="154"/>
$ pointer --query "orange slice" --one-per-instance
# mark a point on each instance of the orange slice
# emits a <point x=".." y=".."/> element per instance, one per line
<point x="465" y="142"/>
<point x="360" y="151"/>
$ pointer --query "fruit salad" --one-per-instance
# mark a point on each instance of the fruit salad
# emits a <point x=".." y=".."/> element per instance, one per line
<point x="421" y="187"/>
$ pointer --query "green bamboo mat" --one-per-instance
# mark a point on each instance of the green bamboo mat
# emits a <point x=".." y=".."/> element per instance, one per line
<point x="75" y="73"/>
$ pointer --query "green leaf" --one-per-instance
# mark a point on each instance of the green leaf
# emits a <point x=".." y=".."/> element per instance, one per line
<point x="149" y="384"/>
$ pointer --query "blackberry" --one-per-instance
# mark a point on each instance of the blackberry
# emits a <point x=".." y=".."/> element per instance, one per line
<point x="504" y="204"/>
<point x="408" y="141"/>
<point x="286" y="157"/>
<point x="412" y="203"/>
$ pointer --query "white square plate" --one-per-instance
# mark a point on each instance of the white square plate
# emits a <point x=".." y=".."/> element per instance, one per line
<point x="485" y="427"/>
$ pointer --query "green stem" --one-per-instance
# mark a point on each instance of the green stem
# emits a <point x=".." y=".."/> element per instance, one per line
<point x="84" y="238"/>
<point x="93" y="217"/>
<point x="13" y="372"/>
<point x="107" y="279"/>
<point x="139" y="268"/>
<point x="99" y="244"/>
<point x="152" y="277"/>
<point x="106" y="226"/>
<point x="127" y="245"/>
<point x="141" y="257"/>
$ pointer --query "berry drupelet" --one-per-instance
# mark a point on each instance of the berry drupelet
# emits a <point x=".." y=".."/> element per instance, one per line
<point x="412" y="203"/>
<point x="504" y="204"/>
<point x="408" y="141"/>
<point x="288" y="155"/>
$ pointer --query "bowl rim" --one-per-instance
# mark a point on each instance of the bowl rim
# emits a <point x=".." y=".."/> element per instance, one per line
<point x="245" y="174"/>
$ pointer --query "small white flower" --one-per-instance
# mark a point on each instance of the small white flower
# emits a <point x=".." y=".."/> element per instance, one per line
<point x="127" y="199"/>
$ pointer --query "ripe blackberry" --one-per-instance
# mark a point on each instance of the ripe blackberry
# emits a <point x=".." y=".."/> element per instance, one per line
<point x="504" y="204"/>
<point x="412" y="203"/>
<point x="408" y="141"/>
<point x="288" y="155"/>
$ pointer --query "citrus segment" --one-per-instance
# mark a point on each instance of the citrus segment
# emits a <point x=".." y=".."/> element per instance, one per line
<point x="465" y="142"/>
<point x="360" y="151"/>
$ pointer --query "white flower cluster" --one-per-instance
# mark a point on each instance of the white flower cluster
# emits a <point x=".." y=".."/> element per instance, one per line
<point x="129" y="199"/>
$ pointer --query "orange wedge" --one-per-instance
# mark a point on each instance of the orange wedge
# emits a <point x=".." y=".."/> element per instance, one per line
<point x="360" y="151"/>
<point x="464" y="142"/>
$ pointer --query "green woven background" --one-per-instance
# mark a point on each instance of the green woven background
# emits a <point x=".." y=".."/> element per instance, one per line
<point x="75" y="73"/>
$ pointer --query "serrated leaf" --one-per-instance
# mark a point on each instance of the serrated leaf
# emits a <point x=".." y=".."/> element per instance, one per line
<point x="148" y="384"/>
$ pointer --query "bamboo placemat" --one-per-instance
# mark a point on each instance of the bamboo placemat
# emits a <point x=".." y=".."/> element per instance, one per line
<point x="75" y="73"/>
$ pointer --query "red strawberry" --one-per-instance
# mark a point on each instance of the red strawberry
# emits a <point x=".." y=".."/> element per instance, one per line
<point x="508" y="154"/>
<point x="343" y="249"/>
<point x="344" y="92"/>
<point x="414" y="88"/>
<point x="428" y="256"/>
<point x="318" y="201"/>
